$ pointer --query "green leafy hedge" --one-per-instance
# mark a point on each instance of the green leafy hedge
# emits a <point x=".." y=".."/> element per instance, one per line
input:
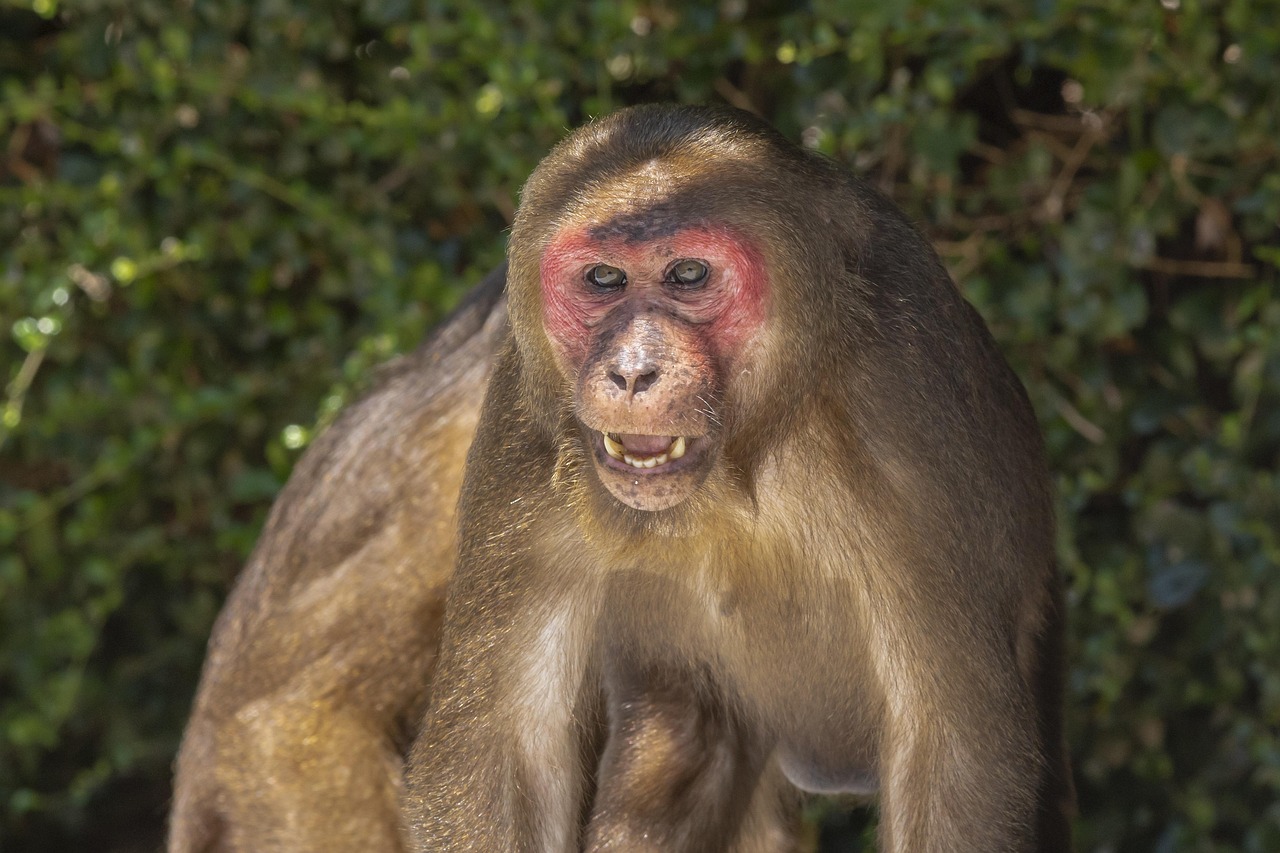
<point x="216" y="216"/>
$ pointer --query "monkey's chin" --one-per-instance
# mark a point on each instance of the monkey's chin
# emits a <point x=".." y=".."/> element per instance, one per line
<point x="666" y="473"/>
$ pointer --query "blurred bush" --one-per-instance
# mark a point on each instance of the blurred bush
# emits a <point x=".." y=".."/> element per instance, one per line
<point x="215" y="217"/>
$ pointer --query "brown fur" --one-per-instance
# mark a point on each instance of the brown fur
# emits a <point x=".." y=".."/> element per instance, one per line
<point x="318" y="667"/>
<point x="860" y="595"/>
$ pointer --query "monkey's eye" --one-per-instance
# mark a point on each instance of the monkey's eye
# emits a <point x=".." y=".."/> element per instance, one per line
<point x="688" y="273"/>
<point x="606" y="277"/>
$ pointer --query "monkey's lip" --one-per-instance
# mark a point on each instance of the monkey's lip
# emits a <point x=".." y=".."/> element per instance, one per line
<point x="637" y="453"/>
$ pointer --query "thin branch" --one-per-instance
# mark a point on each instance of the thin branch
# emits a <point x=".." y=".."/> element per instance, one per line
<point x="1199" y="269"/>
<point x="17" y="391"/>
<point x="1087" y="428"/>
<point x="1052" y="123"/>
<point x="1054" y="203"/>
<point x="734" y="95"/>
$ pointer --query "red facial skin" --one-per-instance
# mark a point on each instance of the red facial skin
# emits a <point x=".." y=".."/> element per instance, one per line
<point x="729" y="305"/>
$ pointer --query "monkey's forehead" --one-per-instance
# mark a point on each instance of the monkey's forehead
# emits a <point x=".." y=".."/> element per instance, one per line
<point x="653" y="198"/>
<point x="654" y="222"/>
<point x="645" y="218"/>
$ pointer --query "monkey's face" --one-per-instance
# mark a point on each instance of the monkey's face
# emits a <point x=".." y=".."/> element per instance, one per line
<point x="648" y="329"/>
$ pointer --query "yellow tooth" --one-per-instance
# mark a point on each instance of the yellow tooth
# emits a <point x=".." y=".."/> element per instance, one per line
<point x="647" y="462"/>
<point x="617" y="451"/>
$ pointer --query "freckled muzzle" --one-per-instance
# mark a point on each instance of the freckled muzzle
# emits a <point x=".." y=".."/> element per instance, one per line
<point x="645" y="400"/>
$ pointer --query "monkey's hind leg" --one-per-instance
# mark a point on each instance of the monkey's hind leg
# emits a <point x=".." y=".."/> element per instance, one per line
<point x="292" y="776"/>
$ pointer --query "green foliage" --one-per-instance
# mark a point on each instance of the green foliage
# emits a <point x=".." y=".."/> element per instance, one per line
<point x="215" y="217"/>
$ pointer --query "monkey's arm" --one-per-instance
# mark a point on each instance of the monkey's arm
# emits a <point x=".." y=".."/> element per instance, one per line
<point x="498" y="765"/>
<point x="959" y="756"/>
<point x="680" y="773"/>
<point x="955" y="600"/>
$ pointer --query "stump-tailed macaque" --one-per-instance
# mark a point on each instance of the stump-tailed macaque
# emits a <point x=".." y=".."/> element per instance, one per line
<point x="752" y="506"/>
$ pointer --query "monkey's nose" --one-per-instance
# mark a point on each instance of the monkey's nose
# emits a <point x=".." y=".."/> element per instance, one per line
<point x="633" y="380"/>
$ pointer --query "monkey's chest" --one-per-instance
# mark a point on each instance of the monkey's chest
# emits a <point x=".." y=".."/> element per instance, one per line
<point x="792" y="657"/>
<point x="802" y="667"/>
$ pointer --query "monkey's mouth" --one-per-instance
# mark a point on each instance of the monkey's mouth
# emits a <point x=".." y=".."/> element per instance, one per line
<point x="650" y="472"/>
<point x="644" y="452"/>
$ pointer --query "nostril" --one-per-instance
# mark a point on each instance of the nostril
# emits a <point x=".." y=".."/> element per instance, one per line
<point x="632" y="382"/>
<point x="644" y="381"/>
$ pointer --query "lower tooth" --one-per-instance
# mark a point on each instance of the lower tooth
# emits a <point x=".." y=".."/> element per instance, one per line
<point x="650" y="462"/>
<point x="619" y="452"/>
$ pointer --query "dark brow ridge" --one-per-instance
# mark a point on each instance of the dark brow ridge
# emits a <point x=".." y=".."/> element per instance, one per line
<point x="651" y="224"/>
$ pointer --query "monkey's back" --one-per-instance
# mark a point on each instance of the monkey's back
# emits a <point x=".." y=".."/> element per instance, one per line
<point x="321" y="658"/>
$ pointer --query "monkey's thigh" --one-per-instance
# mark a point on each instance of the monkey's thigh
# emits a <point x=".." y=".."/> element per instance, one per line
<point x="297" y="745"/>
<point x="301" y="773"/>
